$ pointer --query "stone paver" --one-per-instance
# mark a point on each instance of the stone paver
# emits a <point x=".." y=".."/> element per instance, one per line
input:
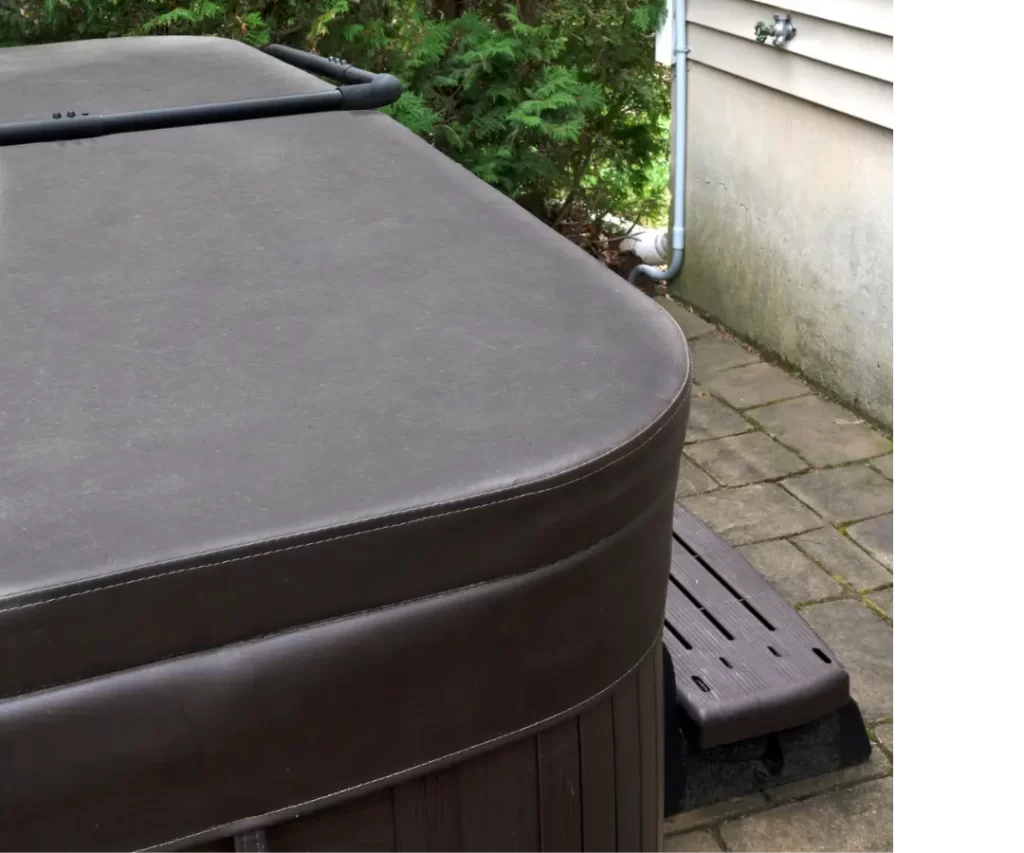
<point x="711" y="419"/>
<point x="849" y="819"/>
<point x="755" y="385"/>
<point x="863" y="643"/>
<point x="714" y="353"/>
<point x="700" y="841"/>
<point x="821" y="432"/>
<point x="875" y="536"/>
<point x="883" y="601"/>
<point x="692" y="325"/>
<point x="692" y="481"/>
<point x="790" y="572"/>
<point x="841" y="558"/>
<point x="743" y="459"/>
<point x="884" y="734"/>
<point x="850" y="493"/>
<point x="883" y="464"/>
<point x="753" y="513"/>
<point x="791" y="539"/>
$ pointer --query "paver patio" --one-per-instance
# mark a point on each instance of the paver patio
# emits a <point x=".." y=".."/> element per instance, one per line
<point x="803" y="488"/>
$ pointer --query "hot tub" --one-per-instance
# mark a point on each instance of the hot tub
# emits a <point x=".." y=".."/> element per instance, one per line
<point x="335" y="490"/>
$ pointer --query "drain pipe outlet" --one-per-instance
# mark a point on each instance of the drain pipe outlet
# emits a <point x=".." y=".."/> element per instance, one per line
<point x="678" y="244"/>
<point x="650" y="246"/>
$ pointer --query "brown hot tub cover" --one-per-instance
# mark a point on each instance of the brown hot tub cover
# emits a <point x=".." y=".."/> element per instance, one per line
<point x="322" y="464"/>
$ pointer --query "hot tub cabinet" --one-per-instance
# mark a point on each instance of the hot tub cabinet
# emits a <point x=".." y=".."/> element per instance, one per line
<point x="336" y="492"/>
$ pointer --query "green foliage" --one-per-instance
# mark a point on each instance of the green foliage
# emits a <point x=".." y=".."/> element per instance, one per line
<point x="254" y="21"/>
<point x="557" y="103"/>
<point x="569" y="108"/>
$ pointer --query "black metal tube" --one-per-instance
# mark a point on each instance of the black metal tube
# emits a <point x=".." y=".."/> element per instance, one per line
<point x="370" y="91"/>
<point x="333" y="69"/>
<point x="85" y="126"/>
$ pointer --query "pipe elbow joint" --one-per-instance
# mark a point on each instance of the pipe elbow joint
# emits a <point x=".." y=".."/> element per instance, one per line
<point x="389" y="88"/>
<point x="674" y="268"/>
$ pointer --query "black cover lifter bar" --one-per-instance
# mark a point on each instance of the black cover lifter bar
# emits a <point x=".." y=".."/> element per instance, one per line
<point x="365" y="91"/>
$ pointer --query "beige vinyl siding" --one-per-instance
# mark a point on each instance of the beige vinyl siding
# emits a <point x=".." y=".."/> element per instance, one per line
<point x="841" y="57"/>
<point x="872" y="15"/>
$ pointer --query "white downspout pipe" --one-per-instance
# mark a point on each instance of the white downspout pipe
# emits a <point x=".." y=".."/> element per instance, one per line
<point x="678" y="232"/>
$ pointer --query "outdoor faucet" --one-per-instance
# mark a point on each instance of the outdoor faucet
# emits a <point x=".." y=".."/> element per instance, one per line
<point x="780" y="32"/>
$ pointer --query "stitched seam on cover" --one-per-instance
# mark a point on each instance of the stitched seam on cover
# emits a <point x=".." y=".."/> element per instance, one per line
<point x="287" y="548"/>
<point x="318" y="623"/>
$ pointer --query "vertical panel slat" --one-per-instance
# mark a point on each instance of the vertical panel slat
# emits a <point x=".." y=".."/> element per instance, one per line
<point x="411" y="815"/>
<point x="498" y="793"/>
<point x="427" y="813"/>
<point x="597" y="767"/>
<point x="659" y="698"/>
<point x="558" y="772"/>
<point x="648" y="701"/>
<point x="626" y="717"/>
<point x="444" y="827"/>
